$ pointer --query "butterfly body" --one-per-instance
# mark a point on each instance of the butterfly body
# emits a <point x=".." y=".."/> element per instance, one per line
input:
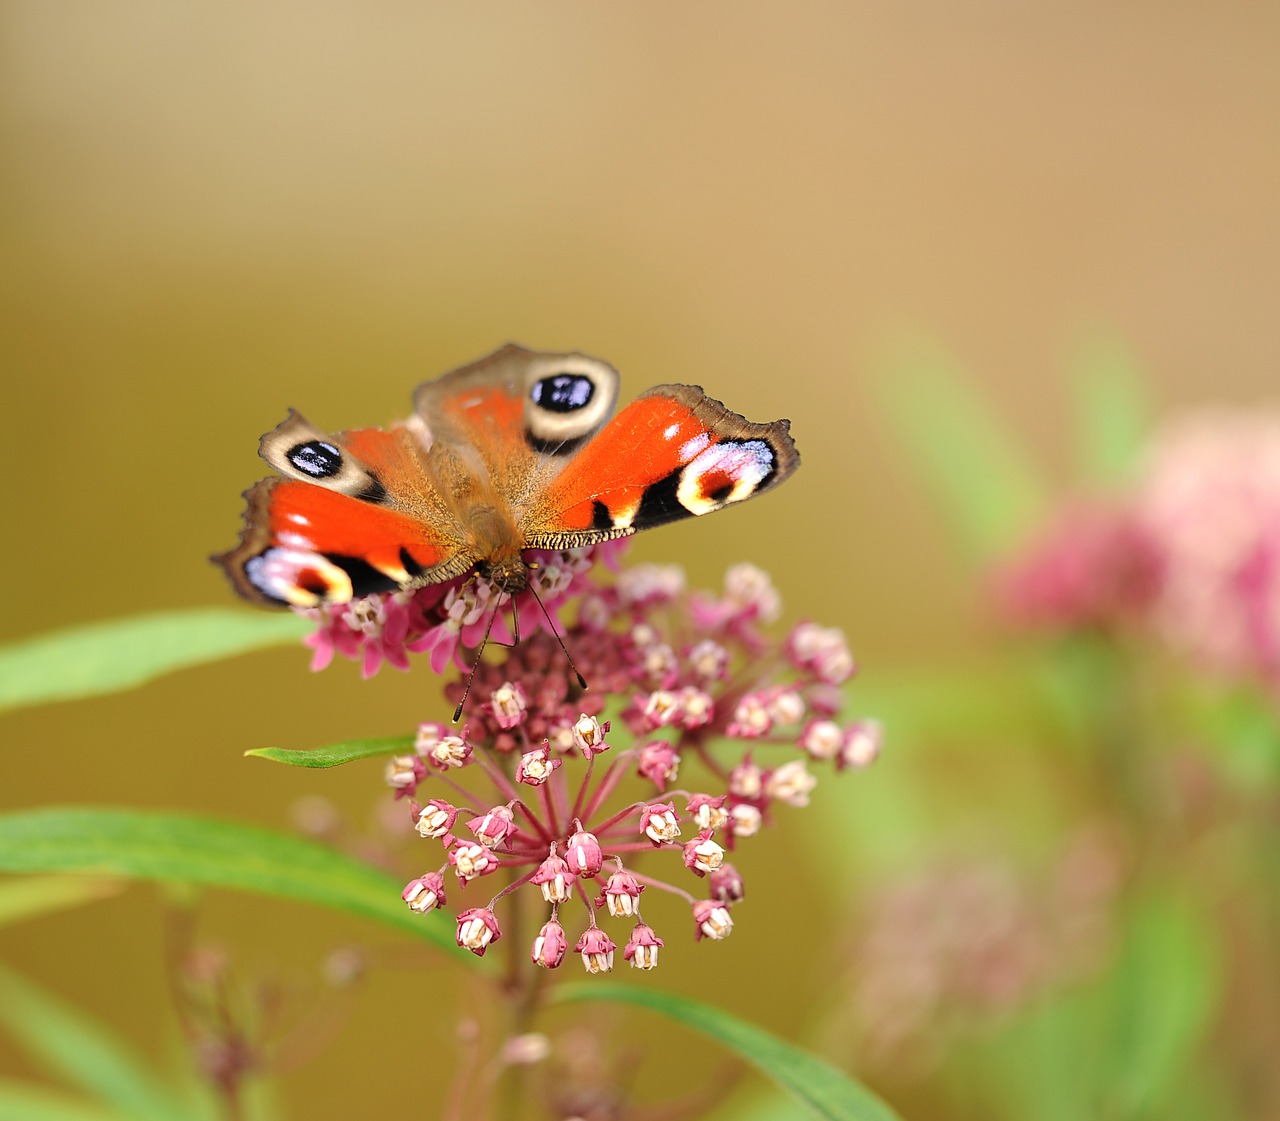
<point x="514" y="452"/>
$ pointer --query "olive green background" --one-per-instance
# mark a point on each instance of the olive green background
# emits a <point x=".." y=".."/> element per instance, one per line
<point x="212" y="212"/>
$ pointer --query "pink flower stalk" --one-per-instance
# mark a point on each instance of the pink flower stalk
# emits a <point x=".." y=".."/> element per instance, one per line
<point x="702" y="686"/>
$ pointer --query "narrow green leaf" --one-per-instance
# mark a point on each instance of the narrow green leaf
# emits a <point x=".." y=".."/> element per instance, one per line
<point x="335" y="754"/>
<point x="985" y="482"/>
<point x="1111" y="411"/>
<point x="826" y="1091"/>
<point x="123" y="653"/>
<point x="32" y="896"/>
<point x="21" y="1101"/>
<point x="1167" y="989"/>
<point x="70" y="1045"/>
<point x="171" y="847"/>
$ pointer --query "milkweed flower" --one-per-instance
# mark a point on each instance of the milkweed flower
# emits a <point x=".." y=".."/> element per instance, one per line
<point x="586" y="812"/>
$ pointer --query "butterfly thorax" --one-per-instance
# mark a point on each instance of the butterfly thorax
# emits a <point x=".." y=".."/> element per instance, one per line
<point x="496" y="542"/>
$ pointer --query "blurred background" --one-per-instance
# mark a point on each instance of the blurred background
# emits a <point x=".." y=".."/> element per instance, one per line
<point x="213" y="212"/>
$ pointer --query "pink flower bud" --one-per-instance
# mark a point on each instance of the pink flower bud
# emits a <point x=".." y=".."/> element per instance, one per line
<point x="550" y="945"/>
<point x="822" y="739"/>
<point x="751" y="718"/>
<point x="708" y="812"/>
<point x="508" y="704"/>
<point x="596" y="948"/>
<point x="745" y="820"/>
<point x="697" y="708"/>
<point x="429" y="734"/>
<point x="554" y="878"/>
<point x="436" y="818"/>
<point x="862" y="743"/>
<point x="726" y="885"/>
<point x="536" y="766"/>
<point x="659" y="823"/>
<point x="791" y="783"/>
<point x="712" y="919"/>
<point x="477" y="927"/>
<point x="583" y="854"/>
<point x="425" y="893"/>
<point x="702" y="854"/>
<point x="658" y="762"/>
<point x="622" y="894"/>
<point x="659" y="666"/>
<point x="660" y="708"/>
<point x="642" y="948"/>
<point x="449" y="751"/>
<point x="786" y="706"/>
<point x="493" y="828"/>
<point x="471" y="860"/>
<point x="750" y="592"/>
<point x="821" y="651"/>
<point x="404" y="772"/>
<point x="746" y="780"/>
<point x="588" y="735"/>
<point x="709" y="661"/>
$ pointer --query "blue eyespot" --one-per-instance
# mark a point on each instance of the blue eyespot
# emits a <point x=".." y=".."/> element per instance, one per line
<point x="562" y="393"/>
<point x="316" y="458"/>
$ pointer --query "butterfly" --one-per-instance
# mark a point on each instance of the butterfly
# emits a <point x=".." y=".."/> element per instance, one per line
<point x="514" y="452"/>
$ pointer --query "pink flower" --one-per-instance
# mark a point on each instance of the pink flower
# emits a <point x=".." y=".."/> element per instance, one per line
<point x="536" y="766"/>
<point x="642" y="948"/>
<point x="702" y="854"/>
<point x="436" y="819"/>
<point x="471" y="861"/>
<point x="508" y="704"/>
<point x="583" y="854"/>
<point x="658" y="762"/>
<point x="660" y="823"/>
<point x="550" y="945"/>
<point x="425" y="893"/>
<point x="555" y="878"/>
<point x="477" y="928"/>
<point x="596" y="948"/>
<point x="712" y="920"/>
<point x="622" y="894"/>
<point x="726" y="885"/>
<point x="494" y="827"/>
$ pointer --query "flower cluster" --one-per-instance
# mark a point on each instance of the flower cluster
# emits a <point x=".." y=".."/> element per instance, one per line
<point x="540" y="791"/>
<point x="1189" y="556"/>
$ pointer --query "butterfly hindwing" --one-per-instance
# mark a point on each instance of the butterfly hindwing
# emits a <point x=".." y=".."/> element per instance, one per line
<point x="672" y="453"/>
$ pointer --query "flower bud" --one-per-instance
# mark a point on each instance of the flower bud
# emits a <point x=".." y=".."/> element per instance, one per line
<point x="596" y="948"/>
<point x="404" y="772"/>
<point x="642" y="948"/>
<point x="588" y="736"/>
<point x="862" y="742"/>
<point x="425" y="893"/>
<point x="508" y="704"/>
<point x="658" y="762"/>
<point x="702" y="854"/>
<point x="621" y="894"/>
<point x="471" y="860"/>
<point x="822" y="739"/>
<point x="550" y="945"/>
<point x="726" y="885"/>
<point x="791" y="783"/>
<point x="708" y="812"/>
<point x="712" y="919"/>
<point x="477" y="927"/>
<point x="659" y="823"/>
<point x="436" y="818"/>
<point x="536" y="766"/>
<point x="583" y="854"/>
<point x="554" y="878"/>
<point x="493" y="828"/>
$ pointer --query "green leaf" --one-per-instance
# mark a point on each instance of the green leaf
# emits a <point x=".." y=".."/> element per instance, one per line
<point x="33" y="896"/>
<point x="175" y="848"/>
<point x="1166" y="992"/>
<point x="20" y="1101"/>
<point x="828" y="1092"/>
<point x="984" y="481"/>
<point x="69" y="1044"/>
<point x="123" y="653"/>
<point x="335" y="754"/>
<point x="1111" y="411"/>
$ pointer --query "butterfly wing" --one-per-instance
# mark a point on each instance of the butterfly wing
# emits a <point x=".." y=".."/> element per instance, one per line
<point x="672" y="453"/>
<point x="514" y="418"/>
<point x="355" y="514"/>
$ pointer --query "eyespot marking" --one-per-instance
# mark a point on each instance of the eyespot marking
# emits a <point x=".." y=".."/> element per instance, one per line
<point x="317" y="458"/>
<point x="563" y="393"/>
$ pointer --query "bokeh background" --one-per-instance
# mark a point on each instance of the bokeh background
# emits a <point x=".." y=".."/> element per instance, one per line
<point x="212" y="212"/>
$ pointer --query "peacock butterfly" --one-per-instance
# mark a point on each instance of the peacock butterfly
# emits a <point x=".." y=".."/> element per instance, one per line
<point x="513" y="452"/>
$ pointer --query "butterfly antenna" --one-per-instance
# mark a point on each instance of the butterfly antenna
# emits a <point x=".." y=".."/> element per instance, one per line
<point x="466" y="691"/>
<point x="582" y="681"/>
